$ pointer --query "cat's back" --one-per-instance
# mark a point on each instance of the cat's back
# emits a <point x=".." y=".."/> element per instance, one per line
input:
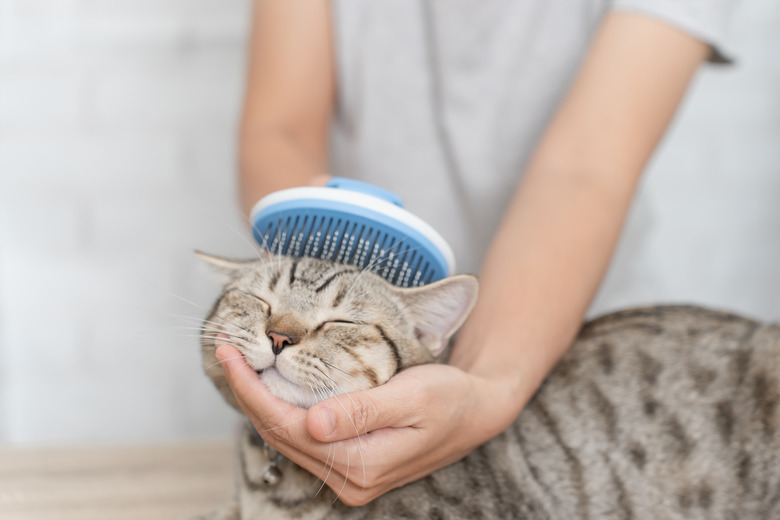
<point x="664" y="412"/>
<point x="670" y="411"/>
<point x="666" y="354"/>
<point x="660" y="362"/>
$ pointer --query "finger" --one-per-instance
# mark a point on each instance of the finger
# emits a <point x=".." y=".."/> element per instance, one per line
<point x="253" y="395"/>
<point x="284" y="427"/>
<point x="349" y="415"/>
<point x="278" y="422"/>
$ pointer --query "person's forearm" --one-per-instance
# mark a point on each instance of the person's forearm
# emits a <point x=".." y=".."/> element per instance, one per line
<point x="289" y="97"/>
<point x="539" y="277"/>
<point x="555" y="241"/>
<point x="271" y="160"/>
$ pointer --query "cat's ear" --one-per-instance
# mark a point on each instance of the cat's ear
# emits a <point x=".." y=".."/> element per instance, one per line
<point x="227" y="269"/>
<point x="440" y="308"/>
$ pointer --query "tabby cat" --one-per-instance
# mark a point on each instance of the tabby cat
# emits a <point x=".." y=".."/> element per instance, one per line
<point x="654" y="413"/>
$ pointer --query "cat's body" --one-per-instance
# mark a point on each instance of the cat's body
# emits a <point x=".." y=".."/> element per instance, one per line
<point x="666" y="412"/>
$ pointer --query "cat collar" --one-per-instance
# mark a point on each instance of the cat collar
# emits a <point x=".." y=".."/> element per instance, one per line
<point x="271" y="474"/>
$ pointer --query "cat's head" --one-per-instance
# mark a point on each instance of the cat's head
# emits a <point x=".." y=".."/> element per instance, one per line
<point x="313" y="329"/>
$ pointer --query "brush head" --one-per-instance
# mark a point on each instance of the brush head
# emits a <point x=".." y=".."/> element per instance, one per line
<point x="353" y="223"/>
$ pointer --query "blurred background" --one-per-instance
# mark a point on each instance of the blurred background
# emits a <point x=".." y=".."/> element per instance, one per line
<point x="118" y="124"/>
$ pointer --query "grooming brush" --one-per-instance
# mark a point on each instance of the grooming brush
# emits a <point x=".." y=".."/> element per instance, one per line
<point x="353" y="223"/>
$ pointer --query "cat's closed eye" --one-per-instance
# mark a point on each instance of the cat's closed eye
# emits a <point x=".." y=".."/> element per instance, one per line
<point x="265" y="304"/>
<point x="330" y="324"/>
<point x="342" y="322"/>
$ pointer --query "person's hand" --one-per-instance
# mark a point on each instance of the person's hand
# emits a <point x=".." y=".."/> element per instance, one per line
<point x="366" y="443"/>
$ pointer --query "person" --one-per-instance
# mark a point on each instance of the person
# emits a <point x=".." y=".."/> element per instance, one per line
<point x="517" y="129"/>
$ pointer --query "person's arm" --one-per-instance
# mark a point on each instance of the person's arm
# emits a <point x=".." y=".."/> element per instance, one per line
<point x="558" y="235"/>
<point x="541" y="272"/>
<point x="289" y="98"/>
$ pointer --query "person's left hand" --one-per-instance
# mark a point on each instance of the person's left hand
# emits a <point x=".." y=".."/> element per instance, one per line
<point x="366" y="443"/>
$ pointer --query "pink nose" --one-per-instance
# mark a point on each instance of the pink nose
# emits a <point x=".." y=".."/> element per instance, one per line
<point x="280" y="341"/>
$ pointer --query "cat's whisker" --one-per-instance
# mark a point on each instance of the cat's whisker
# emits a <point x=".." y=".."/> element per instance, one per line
<point x="346" y="478"/>
<point x="328" y="465"/>
<point x="359" y="439"/>
<point x="169" y="293"/>
<point x="219" y="325"/>
<point x="248" y="221"/>
<point x="378" y="260"/>
<point x="222" y="329"/>
<point x="333" y="393"/>
<point x="365" y="427"/>
<point x="173" y="327"/>
<point x="167" y="329"/>
<point x="265" y="248"/>
<point x="358" y="386"/>
<point x="252" y="245"/>
<point x="199" y="322"/>
<point x="229" y="338"/>
<point x="181" y="331"/>
<point x="362" y="273"/>
<point x="264" y="243"/>
<point x="357" y="432"/>
<point x="192" y="319"/>
<point x="184" y="317"/>
<point x="222" y="332"/>
<point x="235" y="341"/>
<point x="227" y="322"/>
<point x="282" y="426"/>
<point x="223" y="321"/>
<point x="232" y="337"/>
<point x="333" y="389"/>
<point x="193" y="335"/>
<point x="190" y="331"/>
<point x="225" y="360"/>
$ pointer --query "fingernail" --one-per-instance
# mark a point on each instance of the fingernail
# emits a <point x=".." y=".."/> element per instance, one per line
<point x="326" y="420"/>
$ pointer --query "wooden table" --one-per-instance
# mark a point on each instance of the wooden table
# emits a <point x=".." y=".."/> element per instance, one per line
<point x="162" y="482"/>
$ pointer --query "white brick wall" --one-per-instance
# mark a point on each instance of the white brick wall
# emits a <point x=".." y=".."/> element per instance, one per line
<point x="117" y="130"/>
<point x="117" y="137"/>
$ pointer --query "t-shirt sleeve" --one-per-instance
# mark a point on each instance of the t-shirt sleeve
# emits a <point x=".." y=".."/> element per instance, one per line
<point x="706" y="20"/>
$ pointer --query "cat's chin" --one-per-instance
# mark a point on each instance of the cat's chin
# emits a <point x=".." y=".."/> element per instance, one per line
<point x="286" y="390"/>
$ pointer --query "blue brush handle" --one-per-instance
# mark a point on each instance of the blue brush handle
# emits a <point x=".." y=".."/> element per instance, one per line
<point x="343" y="183"/>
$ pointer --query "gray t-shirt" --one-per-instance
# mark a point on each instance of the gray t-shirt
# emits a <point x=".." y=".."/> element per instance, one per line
<point x="443" y="101"/>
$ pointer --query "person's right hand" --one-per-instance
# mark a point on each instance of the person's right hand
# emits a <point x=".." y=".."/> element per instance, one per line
<point x="366" y="443"/>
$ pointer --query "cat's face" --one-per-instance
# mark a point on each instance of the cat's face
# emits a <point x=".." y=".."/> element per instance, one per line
<point x="313" y="329"/>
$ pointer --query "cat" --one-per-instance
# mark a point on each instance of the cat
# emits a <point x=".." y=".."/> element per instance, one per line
<point x="669" y="412"/>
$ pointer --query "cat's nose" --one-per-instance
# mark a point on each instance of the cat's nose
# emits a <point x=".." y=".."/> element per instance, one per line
<point x="280" y="341"/>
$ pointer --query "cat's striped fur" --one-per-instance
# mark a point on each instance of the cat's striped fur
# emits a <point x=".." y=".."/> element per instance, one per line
<point x="655" y="413"/>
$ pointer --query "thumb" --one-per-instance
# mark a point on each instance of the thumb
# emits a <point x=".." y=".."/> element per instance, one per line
<point x="349" y="415"/>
